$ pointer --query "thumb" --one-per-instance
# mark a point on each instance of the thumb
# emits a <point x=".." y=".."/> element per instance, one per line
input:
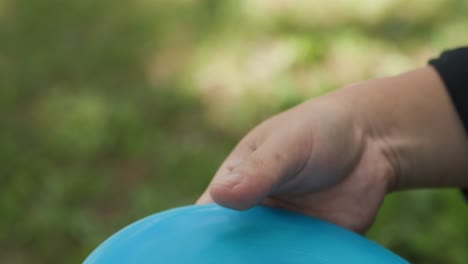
<point x="260" y="174"/>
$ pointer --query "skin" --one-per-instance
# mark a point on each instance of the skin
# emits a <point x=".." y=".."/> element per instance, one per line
<point x="336" y="157"/>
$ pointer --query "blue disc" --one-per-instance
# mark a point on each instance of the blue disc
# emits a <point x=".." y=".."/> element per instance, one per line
<point x="210" y="234"/>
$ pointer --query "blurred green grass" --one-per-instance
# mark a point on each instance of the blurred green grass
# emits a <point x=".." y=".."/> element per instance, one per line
<point x="113" y="110"/>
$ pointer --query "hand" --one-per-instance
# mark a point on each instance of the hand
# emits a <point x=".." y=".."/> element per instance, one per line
<point x="316" y="159"/>
<point x="335" y="157"/>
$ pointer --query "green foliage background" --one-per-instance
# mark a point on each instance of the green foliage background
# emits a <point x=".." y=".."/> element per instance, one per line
<point x="114" y="110"/>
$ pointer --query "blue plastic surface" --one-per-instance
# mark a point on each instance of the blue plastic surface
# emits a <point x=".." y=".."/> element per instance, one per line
<point x="211" y="234"/>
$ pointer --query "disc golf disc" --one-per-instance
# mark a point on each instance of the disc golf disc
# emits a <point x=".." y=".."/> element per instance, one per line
<point x="210" y="234"/>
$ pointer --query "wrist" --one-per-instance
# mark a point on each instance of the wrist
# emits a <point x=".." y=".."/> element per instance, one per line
<point x="411" y="119"/>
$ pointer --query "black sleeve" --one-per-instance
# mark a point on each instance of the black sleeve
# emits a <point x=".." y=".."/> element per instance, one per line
<point x="452" y="67"/>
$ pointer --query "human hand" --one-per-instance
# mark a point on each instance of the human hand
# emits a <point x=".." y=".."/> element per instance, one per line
<point x="335" y="157"/>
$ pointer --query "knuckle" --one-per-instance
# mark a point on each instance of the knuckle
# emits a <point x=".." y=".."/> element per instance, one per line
<point x="257" y="163"/>
<point x="253" y="167"/>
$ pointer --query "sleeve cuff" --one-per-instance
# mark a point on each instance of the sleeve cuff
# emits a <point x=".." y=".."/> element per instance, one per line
<point x="452" y="67"/>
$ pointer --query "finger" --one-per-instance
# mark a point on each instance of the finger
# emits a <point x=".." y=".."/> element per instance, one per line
<point x="272" y="164"/>
<point x="245" y="147"/>
<point x="236" y="157"/>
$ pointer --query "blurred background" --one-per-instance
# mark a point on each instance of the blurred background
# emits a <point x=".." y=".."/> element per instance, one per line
<point x="114" y="110"/>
